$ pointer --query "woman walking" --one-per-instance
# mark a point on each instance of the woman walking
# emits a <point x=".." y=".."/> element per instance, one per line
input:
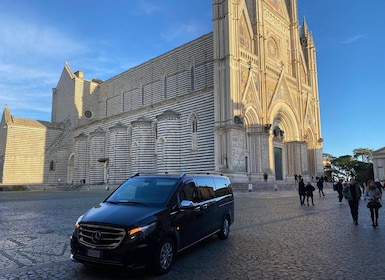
<point x="373" y="195"/>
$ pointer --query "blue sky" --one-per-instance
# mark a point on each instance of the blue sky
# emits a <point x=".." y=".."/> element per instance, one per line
<point x="105" y="38"/>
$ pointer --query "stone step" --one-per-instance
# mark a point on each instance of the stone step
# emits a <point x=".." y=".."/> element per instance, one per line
<point x="263" y="186"/>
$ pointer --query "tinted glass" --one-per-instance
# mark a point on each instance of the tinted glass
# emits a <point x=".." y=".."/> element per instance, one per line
<point x="189" y="192"/>
<point x="221" y="186"/>
<point x="206" y="187"/>
<point x="147" y="190"/>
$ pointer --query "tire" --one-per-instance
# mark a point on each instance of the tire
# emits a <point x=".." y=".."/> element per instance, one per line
<point x="165" y="256"/>
<point x="225" y="229"/>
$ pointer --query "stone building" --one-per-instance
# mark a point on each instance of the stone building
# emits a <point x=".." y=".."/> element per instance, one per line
<point x="241" y="100"/>
<point x="379" y="164"/>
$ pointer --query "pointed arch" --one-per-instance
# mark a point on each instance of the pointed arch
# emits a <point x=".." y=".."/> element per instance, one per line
<point x="250" y="96"/>
<point x="251" y="116"/>
<point x="282" y="115"/>
<point x="245" y="31"/>
<point x="191" y="72"/>
<point x="192" y="123"/>
<point x="71" y="169"/>
<point x="310" y="138"/>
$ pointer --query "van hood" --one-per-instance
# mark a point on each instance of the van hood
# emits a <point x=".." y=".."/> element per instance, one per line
<point x="121" y="214"/>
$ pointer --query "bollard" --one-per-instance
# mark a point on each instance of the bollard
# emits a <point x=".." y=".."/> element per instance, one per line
<point x="275" y="187"/>
<point x="250" y="187"/>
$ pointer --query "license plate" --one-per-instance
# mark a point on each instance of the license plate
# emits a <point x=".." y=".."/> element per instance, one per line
<point x="94" y="253"/>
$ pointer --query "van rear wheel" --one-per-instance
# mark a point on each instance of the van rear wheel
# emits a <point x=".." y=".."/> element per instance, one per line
<point x="225" y="229"/>
<point x="165" y="256"/>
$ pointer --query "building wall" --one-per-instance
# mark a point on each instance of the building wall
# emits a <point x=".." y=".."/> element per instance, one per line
<point x="379" y="164"/>
<point x="242" y="100"/>
<point x="24" y="158"/>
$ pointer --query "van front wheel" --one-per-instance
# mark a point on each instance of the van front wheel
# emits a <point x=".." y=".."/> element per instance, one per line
<point x="164" y="256"/>
<point x="225" y="229"/>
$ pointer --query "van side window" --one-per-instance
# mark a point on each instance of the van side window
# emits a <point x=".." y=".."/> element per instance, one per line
<point x="221" y="186"/>
<point x="189" y="192"/>
<point x="205" y="187"/>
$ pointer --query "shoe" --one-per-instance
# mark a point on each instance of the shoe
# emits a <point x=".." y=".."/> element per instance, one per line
<point x="356" y="222"/>
<point x="373" y="225"/>
<point x="313" y="204"/>
<point x="308" y="204"/>
<point x="376" y="224"/>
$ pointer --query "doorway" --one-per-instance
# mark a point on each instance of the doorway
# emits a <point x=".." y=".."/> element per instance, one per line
<point x="278" y="163"/>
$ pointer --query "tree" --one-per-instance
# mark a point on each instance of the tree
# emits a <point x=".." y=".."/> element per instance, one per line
<point x="365" y="154"/>
<point x="348" y="166"/>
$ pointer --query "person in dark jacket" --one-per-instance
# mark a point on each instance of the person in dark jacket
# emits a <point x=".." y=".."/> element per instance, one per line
<point x="320" y="185"/>
<point x="309" y="189"/>
<point x="339" y="188"/>
<point x="352" y="192"/>
<point x="301" y="191"/>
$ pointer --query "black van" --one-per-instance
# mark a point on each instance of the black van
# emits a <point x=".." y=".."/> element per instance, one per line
<point x="151" y="218"/>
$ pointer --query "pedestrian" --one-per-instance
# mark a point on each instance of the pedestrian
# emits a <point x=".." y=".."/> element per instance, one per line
<point x="352" y="192"/>
<point x="363" y="187"/>
<point x="309" y="189"/>
<point x="339" y="188"/>
<point x="301" y="191"/>
<point x="320" y="185"/>
<point x="296" y="178"/>
<point x="373" y="195"/>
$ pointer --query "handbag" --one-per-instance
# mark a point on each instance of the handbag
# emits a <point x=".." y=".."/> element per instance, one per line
<point x="374" y="204"/>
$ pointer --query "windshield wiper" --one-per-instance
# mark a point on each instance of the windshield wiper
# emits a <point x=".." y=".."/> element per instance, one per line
<point x="127" y="202"/>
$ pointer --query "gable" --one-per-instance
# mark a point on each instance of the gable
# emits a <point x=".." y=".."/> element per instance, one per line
<point x="378" y="152"/>
<point x="278" y="7"/>
<point x="282" y="93"/>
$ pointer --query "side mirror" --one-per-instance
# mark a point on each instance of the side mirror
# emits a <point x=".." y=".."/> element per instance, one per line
<point x="187" y="204"/>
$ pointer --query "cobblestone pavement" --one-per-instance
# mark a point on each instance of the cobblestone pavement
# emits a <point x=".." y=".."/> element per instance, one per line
<point x="273" y="237"/>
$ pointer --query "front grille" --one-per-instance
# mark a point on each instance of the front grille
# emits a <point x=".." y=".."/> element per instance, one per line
<point x="100" y="237"/>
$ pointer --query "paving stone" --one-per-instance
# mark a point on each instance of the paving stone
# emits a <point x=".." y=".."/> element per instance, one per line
<point x="273" y="237"/>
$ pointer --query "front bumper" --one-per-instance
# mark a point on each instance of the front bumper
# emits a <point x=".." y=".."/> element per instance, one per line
<point x="132" y="256"/>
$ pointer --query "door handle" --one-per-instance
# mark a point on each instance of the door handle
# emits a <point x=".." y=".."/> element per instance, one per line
<point x="197" y="209"/>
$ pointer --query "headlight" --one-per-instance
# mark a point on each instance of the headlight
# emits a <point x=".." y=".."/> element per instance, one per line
<point x="140" y="232"/>
<point x="75" y="232"/>
<point x="78" y="221"/>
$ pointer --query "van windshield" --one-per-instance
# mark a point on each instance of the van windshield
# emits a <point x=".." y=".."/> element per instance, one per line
<point x="144" y="190"/>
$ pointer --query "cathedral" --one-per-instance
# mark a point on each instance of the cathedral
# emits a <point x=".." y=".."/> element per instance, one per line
<point x="241" y="100"/>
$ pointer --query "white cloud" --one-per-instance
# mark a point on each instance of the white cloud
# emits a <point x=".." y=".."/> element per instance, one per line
<point x="354" y="39"/>
<point x="191" y="30"/>
<point x="31" y="56"/>
<point x="147" y="8"/>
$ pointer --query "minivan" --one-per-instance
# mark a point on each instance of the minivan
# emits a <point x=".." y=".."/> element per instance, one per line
<point x="149" y="219"/>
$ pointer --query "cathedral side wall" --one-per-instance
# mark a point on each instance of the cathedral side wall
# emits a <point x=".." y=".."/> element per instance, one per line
<point x="24" y="159"/>
<point x="178" y="72"/>
<point x="181" y="81"/>
<point x="178" y="139"/>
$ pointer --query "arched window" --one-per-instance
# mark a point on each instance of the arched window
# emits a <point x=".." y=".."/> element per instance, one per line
<point x="156" y="130"/>
<point x="194" y="124"/>
<point x="165" y="87"/>
<point x="51" y="165"/>
<point x="142" y="93"/>
<point x="194" y="133"/>
<point x="192" y="77"/>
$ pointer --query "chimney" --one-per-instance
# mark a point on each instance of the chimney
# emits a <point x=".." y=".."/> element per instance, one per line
<point x="79" y="74"/>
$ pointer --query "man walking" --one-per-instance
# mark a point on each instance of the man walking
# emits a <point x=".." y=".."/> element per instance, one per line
<point x="352" y="192"/>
